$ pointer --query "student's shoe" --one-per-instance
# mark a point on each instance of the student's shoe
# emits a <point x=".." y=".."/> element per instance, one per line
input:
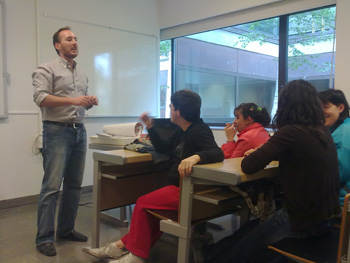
<point x="74" y="236"/>
<point x="208" y="236"/>
<point x="199" y="244"/>
<point x="108" y="251"/>
<point x="129" y="258"/>
<point x="47" y="249"/>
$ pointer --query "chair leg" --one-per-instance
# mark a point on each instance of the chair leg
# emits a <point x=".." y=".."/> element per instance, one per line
<point x="244" y="215"/>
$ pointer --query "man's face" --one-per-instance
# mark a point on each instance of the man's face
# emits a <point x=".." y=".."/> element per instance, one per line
<point x="68" y="45"/>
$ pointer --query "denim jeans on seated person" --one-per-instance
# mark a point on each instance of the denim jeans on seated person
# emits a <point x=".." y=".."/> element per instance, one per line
<point x="252" y="239"/>
<point x="64" y="151"/>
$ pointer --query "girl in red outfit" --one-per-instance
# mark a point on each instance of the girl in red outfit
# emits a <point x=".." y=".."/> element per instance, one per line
<point x="249" y="123"/>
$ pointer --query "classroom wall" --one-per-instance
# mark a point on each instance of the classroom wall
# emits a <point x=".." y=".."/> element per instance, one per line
<point x="175" y="13"/>
<point x="342" y="60"/>
<point x="20" y="169"/>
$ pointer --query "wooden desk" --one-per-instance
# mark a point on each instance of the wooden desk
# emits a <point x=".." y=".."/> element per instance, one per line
<point x="120" y="177"/>
<point x="228" y="173"/>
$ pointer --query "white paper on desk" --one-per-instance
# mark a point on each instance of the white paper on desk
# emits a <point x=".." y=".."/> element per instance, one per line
<point x="124" y="129"/>
<point x="104" y="135"/>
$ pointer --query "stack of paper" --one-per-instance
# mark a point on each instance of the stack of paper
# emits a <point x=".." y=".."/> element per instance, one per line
<point x="118" y="134"/>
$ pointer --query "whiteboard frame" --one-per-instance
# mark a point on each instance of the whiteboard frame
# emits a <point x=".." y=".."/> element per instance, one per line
<point x="3" y="72"/>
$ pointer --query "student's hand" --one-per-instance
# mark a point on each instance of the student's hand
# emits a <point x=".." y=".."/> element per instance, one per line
<point x="93" y="100"/>
<point x="146" y="120"/>
<point x="230" y="132"/>
<point x="250" y="151"/>
<point x="185" y="167"/>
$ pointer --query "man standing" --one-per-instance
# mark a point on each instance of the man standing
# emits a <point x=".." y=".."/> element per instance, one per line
<point x="60" y="90"/>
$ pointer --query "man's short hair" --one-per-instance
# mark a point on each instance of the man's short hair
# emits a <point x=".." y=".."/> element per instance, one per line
<point x="189" y="103"/>
<point x="55" y="37"/>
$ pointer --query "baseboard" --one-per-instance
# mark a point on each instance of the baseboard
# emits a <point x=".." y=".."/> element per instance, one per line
<point x="20" y="201"/>
<point x="86" y="189"/>
<point x="32" y="199"/>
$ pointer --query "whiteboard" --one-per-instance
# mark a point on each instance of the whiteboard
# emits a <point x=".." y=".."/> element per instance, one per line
<point x="122" y="66"/>
<point x="3" y="82"/>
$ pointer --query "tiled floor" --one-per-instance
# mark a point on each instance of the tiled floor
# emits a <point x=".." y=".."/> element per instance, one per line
<point x="18" y="229"/>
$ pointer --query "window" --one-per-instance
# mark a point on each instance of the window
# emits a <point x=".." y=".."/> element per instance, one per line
<point x="165" y="78"/>
<point x="242" y="63"/>
<point x="311" y="41"/>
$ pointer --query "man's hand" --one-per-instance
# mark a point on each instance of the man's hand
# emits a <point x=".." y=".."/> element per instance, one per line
<point x="93" y="100"/>
<point x="56" y="101"/>
<point x="185" y="167"/>
<point x="81" y="101"/>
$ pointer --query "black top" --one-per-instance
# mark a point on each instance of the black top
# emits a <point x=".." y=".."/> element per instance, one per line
<point x="309" y="174"/>
<point x="197" y="139"/>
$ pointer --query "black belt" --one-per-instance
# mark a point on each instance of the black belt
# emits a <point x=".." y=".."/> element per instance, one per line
<point x="73" y="125"/>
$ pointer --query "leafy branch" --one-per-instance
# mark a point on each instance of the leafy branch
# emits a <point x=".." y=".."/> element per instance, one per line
<point x="165" y="47"/>
<point x="305" y="30"/>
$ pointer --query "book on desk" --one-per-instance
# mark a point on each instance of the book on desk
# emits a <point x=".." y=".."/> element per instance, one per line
<point x="126" y="133"/>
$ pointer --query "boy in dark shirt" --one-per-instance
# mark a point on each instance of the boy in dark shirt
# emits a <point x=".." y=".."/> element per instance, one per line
<point x="193" y="142"/>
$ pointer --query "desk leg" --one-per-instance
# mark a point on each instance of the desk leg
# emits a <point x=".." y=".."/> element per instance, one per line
<point x="96" y="205"/>
<point x="185" y="219"/>
<point x="123" y="216"/>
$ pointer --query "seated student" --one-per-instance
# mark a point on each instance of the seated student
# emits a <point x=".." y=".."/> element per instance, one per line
<point x="249" y="123"/>
<point x="309" y="178"/>
<point x="193" y="142"/>
<point x="336" y="113"/>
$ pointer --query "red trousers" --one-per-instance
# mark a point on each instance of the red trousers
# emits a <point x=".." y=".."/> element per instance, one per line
<point x="144" y="228"/>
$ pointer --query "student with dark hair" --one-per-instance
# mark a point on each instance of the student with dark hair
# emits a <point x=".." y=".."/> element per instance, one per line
<point x="189" y="103"/>
<point x="193" y="142"/>
<point x="249" y="123"/>
<point x="309" y="178"/>
<point x="336" y="113"/>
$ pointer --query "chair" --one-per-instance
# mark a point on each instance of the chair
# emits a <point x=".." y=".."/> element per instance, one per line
<point x="209" y="202"/>
<point x="334" y="247"/>
<point x="212" y="201"/>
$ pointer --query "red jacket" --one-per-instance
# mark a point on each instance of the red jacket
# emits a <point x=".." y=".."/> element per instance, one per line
<point x="251" y="137"/>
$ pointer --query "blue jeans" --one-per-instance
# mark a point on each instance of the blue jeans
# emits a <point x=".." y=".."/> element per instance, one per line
<point x="64" y="151"/>
<point x="252" y="239"/>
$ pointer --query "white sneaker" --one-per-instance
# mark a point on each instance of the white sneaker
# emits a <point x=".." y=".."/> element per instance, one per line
<point x="129" y="258"/>
<point x="108" y="251"/>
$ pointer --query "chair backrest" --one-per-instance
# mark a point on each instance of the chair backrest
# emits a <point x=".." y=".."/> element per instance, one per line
<point x="344" y="244"/>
